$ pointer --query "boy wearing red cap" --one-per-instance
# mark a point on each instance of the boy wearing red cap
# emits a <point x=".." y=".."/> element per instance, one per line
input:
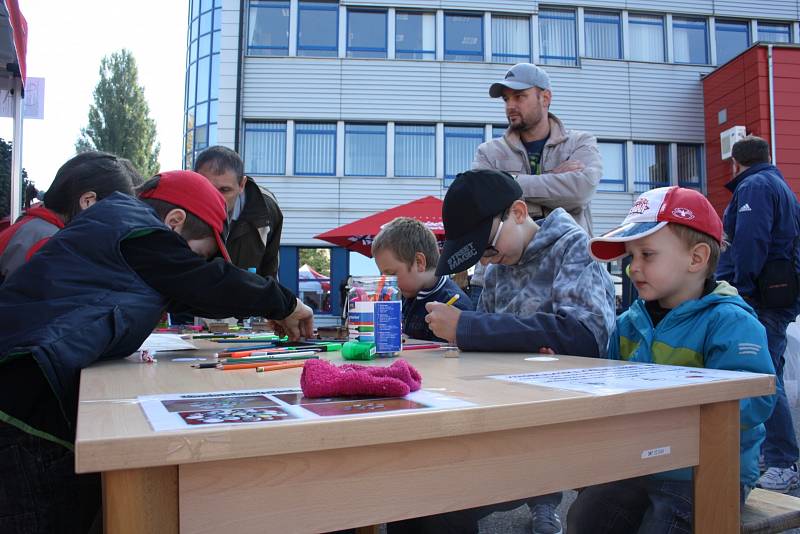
<point x="93" y="292"/>
<point x="683" y="317"/>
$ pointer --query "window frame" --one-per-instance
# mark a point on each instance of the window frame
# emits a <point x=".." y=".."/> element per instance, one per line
<point x="481" y="136"/>
<point x="662" y="24"/>
<point x="624" y="180"/>
<point x="785" y="25"/>
<point x="720" y="26"/>
<point x="385" y="134"/>
<point x="587" y="15"/>
<point x="700" y="184"/>
<point x="258" y="126"/>
<point x="478" y="54"/>
<point x="384" y="50"/>
<point x="423" y="52"/>
<point x="432" y="135"/>
<point x="298" y="129"/>
<point x="574" y="18"/>
<point x="267" y="4"/>
<point x="515" y="58"/>
<point x="317" y="6"/>
<point x="686" y="24"/>
<point x="650" y="184"/>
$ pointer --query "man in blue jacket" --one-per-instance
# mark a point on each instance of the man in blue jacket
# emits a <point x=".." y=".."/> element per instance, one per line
<point x="762" y="227"/>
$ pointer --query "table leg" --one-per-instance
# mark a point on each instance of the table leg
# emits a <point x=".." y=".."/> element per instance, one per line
<point x="141" y="501"/>
<point x="716" y="478"/>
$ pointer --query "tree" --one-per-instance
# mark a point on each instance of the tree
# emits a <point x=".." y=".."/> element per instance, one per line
<point x="119" y="120"/>
<point x="318" y="259"/>
<point x="5" y="178"/>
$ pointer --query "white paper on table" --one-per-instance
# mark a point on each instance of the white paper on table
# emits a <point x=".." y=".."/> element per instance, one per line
<point x="166" y="342"/>
<point x="624" y="378"/>
<point x="265" y="406"/>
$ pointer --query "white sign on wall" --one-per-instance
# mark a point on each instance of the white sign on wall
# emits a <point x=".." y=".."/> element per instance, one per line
<point x="33" y="107"/>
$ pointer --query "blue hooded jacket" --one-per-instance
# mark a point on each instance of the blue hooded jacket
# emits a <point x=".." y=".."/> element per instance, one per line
<point x="717" y="331"/>
<point x="761" y="223"/>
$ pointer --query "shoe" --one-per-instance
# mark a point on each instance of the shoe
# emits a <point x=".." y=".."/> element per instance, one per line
<point x="780" y="479"/>
<point x="545" y="519"/>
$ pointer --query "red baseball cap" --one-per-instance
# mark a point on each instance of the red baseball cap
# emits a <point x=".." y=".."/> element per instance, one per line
<point x="193" y="192"/>
<point x="651" y="212"/>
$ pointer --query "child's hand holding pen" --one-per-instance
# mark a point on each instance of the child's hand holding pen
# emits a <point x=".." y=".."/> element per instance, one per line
<point x="443" y="318"/>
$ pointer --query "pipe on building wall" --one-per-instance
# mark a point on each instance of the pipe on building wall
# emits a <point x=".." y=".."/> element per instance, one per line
<point x="771" y="105"/>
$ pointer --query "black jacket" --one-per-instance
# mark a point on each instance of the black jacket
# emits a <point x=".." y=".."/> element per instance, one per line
<point x="254" y="239"/>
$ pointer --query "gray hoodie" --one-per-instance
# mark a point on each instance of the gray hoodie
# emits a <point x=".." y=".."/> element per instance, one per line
<point x="557" y="296"/>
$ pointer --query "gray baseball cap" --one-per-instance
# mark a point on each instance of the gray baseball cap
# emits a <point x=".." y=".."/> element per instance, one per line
<point x="520" y="77"/>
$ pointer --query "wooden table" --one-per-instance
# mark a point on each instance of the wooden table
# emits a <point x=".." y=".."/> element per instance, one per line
<point x="321" y="475"/>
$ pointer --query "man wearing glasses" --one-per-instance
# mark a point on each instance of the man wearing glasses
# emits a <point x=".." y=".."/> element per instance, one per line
<point x="544" y="293"/>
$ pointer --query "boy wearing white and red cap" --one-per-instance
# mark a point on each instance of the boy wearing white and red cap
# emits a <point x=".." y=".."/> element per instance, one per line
<point x="95" y="291"/>
<point x="683" y="317"/>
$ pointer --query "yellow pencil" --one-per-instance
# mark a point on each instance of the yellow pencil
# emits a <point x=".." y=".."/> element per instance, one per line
<point x="453" y="299"/>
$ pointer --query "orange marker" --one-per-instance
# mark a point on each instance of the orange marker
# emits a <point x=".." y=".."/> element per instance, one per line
<point x="279" y="366"/>
<point x="251" y="365"/>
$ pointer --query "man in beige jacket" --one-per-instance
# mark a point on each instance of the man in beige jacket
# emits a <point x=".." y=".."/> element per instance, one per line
<point x="556" y="167"/>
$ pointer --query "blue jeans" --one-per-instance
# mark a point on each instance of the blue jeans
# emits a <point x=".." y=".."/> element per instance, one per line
<point x="645" y="505"/>
<point x="463" y="521"/>
<point x="780" y="445"/>
<point x="39" y="490"/>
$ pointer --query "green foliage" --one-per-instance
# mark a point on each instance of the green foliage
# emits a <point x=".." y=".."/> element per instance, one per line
<point x="119" y="120"/>
<point x="5" y="179"/>
<point x="318" y="259"/>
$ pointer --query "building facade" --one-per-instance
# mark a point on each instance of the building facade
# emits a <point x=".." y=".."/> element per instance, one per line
<point x="346" y="108"/>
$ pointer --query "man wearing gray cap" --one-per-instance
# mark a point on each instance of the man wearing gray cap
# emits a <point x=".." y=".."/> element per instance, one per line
<point x="556" y="167"/>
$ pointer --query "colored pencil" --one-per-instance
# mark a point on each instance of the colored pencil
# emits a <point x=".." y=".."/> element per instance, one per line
<point x="251" y="365"/>
<point x="453" y="299"/>
<point x="278" y="367"/>
<point x="266" y="359"/>
<point x="378" y="289"/>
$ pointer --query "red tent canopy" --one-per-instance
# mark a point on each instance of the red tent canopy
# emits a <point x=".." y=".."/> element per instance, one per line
<point x="358" y="235"/>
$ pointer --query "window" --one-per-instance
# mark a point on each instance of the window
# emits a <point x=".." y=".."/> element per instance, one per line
<point x="774" y="32"/>
<point x="650" y="166"/>
<point x="646" y="37"/>
<point x="317" y="29"/>
<point x="614" y="175"/>
<point x="365" y="150"/>
<point x="415" y="35"/>
<point x="202" y="84"/>
<point x="460" y="144"/>
<point x="315" y="149"/>
<point x="366" y="33"/>
<point x="314" y="278"/>
<point x="732" y="38"/>
<point x="603" y="35"/>
<point x="268" y="28"/>
<point x="498" y="131"/>
<point x="690" y="165"/>
<point x="557" y="39"/>
<point x="265" y="148"/>
<point x="463" y="37"/>
<point x="511" y="42"/>
<point x="414" y="150"/>
<point x="689" y="39"/>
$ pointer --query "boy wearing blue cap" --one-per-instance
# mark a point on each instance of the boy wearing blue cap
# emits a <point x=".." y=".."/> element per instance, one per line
<point x="683" y="317"/>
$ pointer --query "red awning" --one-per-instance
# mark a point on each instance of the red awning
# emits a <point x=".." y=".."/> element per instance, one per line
<point x="358" y="235"/>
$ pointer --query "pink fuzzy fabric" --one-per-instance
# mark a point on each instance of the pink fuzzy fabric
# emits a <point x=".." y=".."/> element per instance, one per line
<point x="321" y="378"/>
